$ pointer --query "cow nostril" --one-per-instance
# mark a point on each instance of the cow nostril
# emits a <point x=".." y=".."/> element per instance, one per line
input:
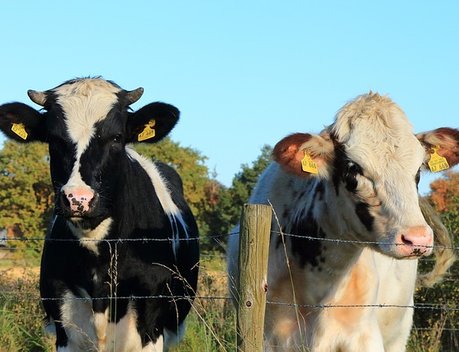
<point x="406" y="241"/>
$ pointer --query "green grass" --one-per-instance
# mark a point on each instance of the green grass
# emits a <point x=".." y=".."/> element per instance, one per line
<point x="21" y="325"/>
<point x="211" y="325"/>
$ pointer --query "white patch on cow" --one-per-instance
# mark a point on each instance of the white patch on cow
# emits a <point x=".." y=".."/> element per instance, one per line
<point x="93" y="332"/>
<point x="84" y="102"/>
<point x="164" y="196"/>
<point x="76" y="315"/>
<point x="100" y="326"/>
<point x="90" y="238"/>
<point x="158" y="346"/>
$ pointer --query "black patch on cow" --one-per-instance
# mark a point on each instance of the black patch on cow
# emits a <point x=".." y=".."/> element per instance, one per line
<point x="361" y="209"/>
<point x="344" y="170"/>
<point x="417" y="178"/>
<point x="306" y="250"/>
<point x="286" y="214"/>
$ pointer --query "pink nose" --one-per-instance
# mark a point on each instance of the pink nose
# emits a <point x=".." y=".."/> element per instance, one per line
<point x="79" y="199"/>
<point x="415" y="241"/>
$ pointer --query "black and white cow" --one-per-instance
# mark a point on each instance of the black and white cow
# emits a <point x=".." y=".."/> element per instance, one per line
<point x="105" y="191"/>
<point x="353" y="187"/>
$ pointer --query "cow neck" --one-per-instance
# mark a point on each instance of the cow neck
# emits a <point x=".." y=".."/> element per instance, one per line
<point x="327" y="260"/>
<point x="89" y="238"/>
<point x="137" y="208"/>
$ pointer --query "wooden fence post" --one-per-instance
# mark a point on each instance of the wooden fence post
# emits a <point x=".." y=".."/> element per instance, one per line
<point x="253" y="266"/>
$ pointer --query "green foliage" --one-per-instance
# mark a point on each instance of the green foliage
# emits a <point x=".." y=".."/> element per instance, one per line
<point x="233" y="198"/>
<point x="26" y="194"/>
<point x="211" y="325"/>
<point x="21" y="328"/>
<point x="441" y="334"/>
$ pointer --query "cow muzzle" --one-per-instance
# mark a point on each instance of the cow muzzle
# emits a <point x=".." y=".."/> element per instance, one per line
<point x="78" y="201"/>
<point x="414" y="242"/>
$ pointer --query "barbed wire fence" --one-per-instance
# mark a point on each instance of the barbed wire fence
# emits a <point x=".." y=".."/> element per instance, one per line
<point x="431" y="306"/>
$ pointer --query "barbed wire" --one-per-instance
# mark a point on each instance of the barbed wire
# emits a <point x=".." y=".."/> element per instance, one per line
<point x="429" y="329"/>
<point x="426" y="306"/>
<point x="337" y="240"/>
<point x="156" y="239"/>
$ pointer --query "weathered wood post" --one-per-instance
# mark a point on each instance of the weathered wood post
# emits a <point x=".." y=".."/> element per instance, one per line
<point x="253" y="267"/>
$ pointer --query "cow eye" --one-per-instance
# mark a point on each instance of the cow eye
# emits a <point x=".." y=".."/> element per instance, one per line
<point x="117" y="138"/>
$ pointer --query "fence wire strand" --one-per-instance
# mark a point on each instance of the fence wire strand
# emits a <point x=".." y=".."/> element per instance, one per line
<point x="217" y="236"/>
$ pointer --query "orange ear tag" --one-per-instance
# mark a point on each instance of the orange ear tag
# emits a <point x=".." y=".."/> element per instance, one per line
<point x="437" y="162"/>
<point x="148" y="132"/>
<point x="309" y="165"/>
<point x="19" y="129"/>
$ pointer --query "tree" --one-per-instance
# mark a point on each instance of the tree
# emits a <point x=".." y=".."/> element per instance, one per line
<point x="26" y="195"/>
<point x="444" y="323"/>
<point x="231" y="200"/>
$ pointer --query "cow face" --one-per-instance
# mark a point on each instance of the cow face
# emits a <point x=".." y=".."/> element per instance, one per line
<point x="87" y="123"/>
<point x="370" y="161"/>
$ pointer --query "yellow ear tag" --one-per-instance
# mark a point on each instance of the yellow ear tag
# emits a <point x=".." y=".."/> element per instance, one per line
<point x="19" y="129"/>
<point x="309" y="165"/>
<point x="148" y="132"/>
<point x="437" y="162"/>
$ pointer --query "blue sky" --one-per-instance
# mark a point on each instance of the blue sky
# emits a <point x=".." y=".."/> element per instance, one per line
<point x="243" y="73"/>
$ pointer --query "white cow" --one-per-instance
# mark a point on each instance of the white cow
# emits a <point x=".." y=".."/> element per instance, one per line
<point x="354" y="182"/>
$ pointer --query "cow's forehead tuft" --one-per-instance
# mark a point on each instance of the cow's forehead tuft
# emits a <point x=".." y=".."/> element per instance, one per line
<point x="85" y="102"/>
<point x="377" y="134"/>
<point x="371" y="114"/>
<point x="85" y="87"/>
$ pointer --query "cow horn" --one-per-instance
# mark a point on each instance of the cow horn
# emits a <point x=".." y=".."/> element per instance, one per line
<point x="134" y="95"/>
<point x="37" y="97"/>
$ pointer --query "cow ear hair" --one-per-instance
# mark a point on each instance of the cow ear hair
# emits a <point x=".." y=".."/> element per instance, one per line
<point x="305" y="154"/>
<point x="22" y="123"/>
<point x="440" y="145"/>
<point x="151" y="123"/>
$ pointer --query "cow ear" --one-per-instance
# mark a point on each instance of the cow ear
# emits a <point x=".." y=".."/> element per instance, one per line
<point x="442" y="148"/>
<point x="304" y="154"/>
<point x="152" y="123"/>
<point x="22" y="123"/>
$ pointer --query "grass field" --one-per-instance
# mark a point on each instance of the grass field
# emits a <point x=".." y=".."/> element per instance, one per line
<point x="211" y="326"/>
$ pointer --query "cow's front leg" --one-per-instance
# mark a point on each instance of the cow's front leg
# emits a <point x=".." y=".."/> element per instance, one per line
<point x="100" y="327"/>
<point x="100" y="315"/>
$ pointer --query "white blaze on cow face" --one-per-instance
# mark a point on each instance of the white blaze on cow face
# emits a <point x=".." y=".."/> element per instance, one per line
<point x="84" y="103"/>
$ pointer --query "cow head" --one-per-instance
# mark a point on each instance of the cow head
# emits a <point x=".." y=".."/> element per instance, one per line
<point x="87" y="123"/>
<point x="370" y="161"/>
